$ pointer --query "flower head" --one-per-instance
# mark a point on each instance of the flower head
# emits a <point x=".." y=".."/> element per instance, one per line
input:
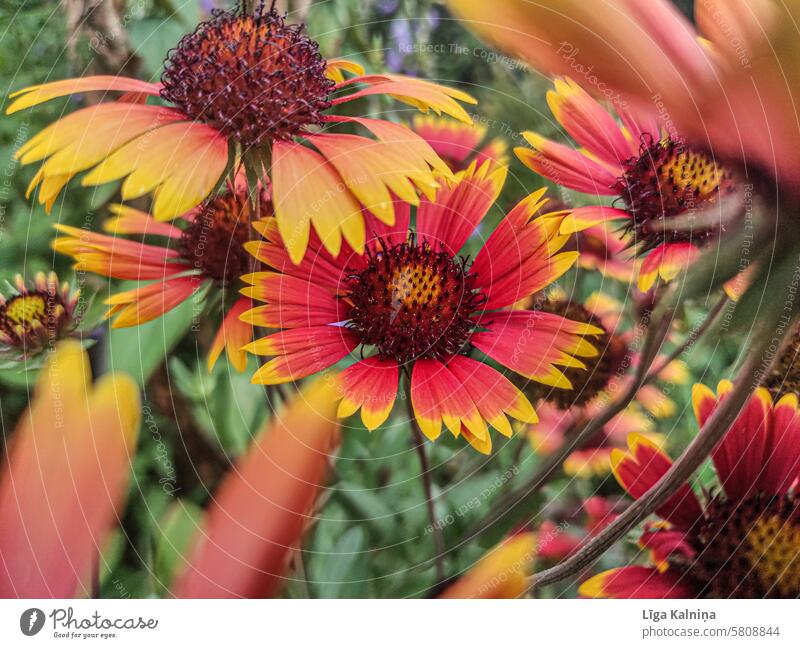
<point x="412" y="303"/>
<point x="654" y="176"/>
<point x="743" y="541"/>
<point x="252" y="77"/>
<point x="202" y="250"/>
<point x="247" y="89"/>
<point x="36" y="315"/>
<point x="646" y="56"/>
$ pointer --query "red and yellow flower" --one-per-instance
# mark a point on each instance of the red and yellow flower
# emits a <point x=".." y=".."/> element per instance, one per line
<point x="459" y="143"/>
<point x="37" y="315"/>
<point x="202" y="250"/>
<point x="743" y="541"/>
<point x="648" y="55"/>
<point x="411" y="302"/>
<point x="246" y="87"/>
<point x="655" y="175"/>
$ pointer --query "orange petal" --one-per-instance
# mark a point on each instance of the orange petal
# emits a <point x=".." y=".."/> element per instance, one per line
<point x="34" y="95"/>
<point x="233" y="334"/>
<point x="66" y="477"/>
<point x="336" y="68"/>
<point x="263" y="507"/>
<point x="666" y="262"/>
<point x="502" y="573"/>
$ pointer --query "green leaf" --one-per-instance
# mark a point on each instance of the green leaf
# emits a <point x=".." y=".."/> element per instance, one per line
<point x="368" y="505"/>
<point x="178" y="526"/>
<point x="335" y="574"/>
<point x="140" y="350"/>
<point x="237" y="408"/>
<point x="152" y="38"/>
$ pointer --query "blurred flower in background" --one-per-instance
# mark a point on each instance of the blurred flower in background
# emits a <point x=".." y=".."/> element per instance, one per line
<point x="460" y="144"/>
<point x="34" y="316"/>
<point x="200" y="257"/>
<point x="264" y="506"/>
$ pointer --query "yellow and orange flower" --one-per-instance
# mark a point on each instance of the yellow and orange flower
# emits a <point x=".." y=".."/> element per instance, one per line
<point x="271" y="116"/>
<point x="202" y="250"/>
<point x="655" y="175"/>
<point x="65" y="477"/>
<point x="411" y="302"/>
<point x="459" y="143"/>
<point x="36" y="316"/>
<point x="743" y="542"/>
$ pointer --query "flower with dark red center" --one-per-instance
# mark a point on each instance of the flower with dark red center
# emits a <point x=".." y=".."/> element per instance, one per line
<point x="606" y="375"/>
<point x="666" y="180"/>
<point x="37" y="315"/>
<point x="252" y="77"/>
<point x="248" y="87"/>
<point x="202" y="251"/>
<point x="411" y="303"/>
<point x="742" y="542"/>
<point x="654" y="175"/>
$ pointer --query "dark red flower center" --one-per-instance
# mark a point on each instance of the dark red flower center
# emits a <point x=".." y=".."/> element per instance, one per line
<point x="586" y="383"/>
<point x="252" y="77"/>
<point x="214" y="241"/>
<point x="666" y="180"/>
<point x="750" y="548"/>
<point x="411" y="302"/>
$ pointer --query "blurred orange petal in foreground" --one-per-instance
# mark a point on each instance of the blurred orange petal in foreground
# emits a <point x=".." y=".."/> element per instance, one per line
<point x="734" y="85"/>
<point x="636" y="47"/>
<point x="264" y="505"/>
<point x="502" y="573"/>
<point x="65" y="477"/>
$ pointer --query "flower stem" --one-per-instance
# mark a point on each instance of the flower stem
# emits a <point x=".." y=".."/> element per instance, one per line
<point x="552" y="463"/>
<point x="691" y="339"/>
<point x="680" y="471"/>
<point x="427" y="484"/>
